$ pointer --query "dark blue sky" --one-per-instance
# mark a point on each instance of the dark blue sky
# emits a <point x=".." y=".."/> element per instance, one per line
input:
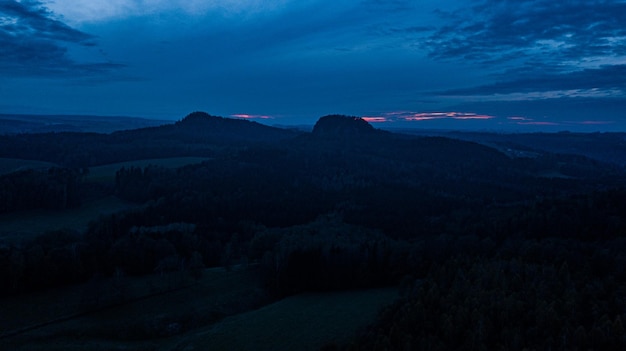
<point x="522" y="64"/>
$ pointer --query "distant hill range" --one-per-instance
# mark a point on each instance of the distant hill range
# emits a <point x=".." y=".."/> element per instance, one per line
<point x="607" y="147"/>
<point x="198" y="134"/>
<point x="201" y="127"/>
<point x="90" y="141"/>
<point x="18" y="123"/>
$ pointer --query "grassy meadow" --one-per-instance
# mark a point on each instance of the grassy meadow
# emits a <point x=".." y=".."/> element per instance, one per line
<point x="302" y="322"/>
<point x="10" y="165"/>
<point x="223" y="310"/>
<point x="220" y="311"/>
<point x="24" y="225"/>
<point x="17" y="226"/>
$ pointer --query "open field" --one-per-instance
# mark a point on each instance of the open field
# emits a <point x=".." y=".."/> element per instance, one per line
<point x="112" y="308"/>
<point x="9" y="165"/>
<point x="106" y="173"/>
<point x="23" y="225"/>
<point x="301" y="322"/>
<point x="187" y="315"/>
<point x="18" y="226"/>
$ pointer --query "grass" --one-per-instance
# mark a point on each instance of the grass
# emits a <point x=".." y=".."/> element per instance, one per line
<point x="303" y="322"/>
<point x="56" y="320"/>
<point x="106" y="173"/>
<point x="17" y="226"/>
<point x="10" y="165"/>
<point x="153" y="303"/>
<point x="215" y="313"/>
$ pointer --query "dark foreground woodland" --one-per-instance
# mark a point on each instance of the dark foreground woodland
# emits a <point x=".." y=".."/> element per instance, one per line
<point x="494" y="243"/>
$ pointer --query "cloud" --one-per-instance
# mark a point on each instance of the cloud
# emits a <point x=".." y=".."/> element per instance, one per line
<point x="536" y="49"/>
<point x="80" y="11"/>
<point x="249" y="116"/>
<point x="34" y="43"/>
<point x="410" y="116"/>
<point x="378" y="119"/>
<point x="568" y="33"/>
<point x="600" y="82"/>
<point x="26" y="16"/>
<point x="571" y="110"/>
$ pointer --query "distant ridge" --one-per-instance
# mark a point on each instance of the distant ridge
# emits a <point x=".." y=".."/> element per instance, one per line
<point x="217" y="123"/>
<point x="23" y="123"/>
<point x="198" y="134"/>
<point x="201" y="125"/>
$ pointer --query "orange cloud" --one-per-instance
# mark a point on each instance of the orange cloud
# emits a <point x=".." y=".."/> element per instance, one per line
<point x="378" y="119"/>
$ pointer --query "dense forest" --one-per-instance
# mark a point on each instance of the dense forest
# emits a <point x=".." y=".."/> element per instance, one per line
<point x="491" y="250"/>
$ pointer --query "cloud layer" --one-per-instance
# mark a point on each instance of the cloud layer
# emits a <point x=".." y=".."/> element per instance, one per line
<point x="537" y="45"/>
<point x="606" y="80"/>
<point x="575" y="32"/>
<point x="541" y="60"/>
<point x="81" y="11"/>
<point x="34" y="43"/>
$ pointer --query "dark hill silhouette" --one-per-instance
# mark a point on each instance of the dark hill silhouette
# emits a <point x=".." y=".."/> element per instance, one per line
<point x="344" y="126"/>
<point x="357" y="135"/>
<point x="198" y="134"/>
<point x="201" y="127"/>
<point x="337" y="142"/>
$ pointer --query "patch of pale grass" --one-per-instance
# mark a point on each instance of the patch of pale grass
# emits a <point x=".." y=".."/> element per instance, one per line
<point x="302" y="322"/>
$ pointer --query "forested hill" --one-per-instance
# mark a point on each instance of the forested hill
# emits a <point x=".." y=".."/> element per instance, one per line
<point x="343" y="137"/>
<point x="607" y="147"/>
<point x="465" y="228"/>
<point x="198" y="134"/>
<point x="200" y="127"/>
<point x="398" y="184"/>
<point x="338" y="126"/>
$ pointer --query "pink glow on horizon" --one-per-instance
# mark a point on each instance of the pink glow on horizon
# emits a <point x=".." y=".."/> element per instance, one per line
<point x="247" y="116"/>
<point x="420" y="118"/>
<point x="594" y="122"/>
<point x="424" y="116"/>
<point x="410" y="116"/>
<point x="525" y="121"/>
<point x="538" y="123"/>
<point x="376" y="119"/>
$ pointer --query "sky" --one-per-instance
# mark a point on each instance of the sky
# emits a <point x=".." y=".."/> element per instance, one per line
<point x="484" y="64"/>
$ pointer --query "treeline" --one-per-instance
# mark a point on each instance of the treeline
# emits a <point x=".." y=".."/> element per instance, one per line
<point x="53" y="188"/>
<point x="108" y="248"/>
<point x="520" y="294"/>
<point x="168" y="236"/>
<point x="491" y="252"/>
<point x="607" y="147"/>
<point x="326" y="255"/>
<point x="398" y="187"/>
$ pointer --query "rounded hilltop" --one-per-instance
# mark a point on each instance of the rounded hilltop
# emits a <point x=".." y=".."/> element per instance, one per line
<point x="340" y="125"/>
<point x="198" y="117"/>
<point x="203" y="124"/>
